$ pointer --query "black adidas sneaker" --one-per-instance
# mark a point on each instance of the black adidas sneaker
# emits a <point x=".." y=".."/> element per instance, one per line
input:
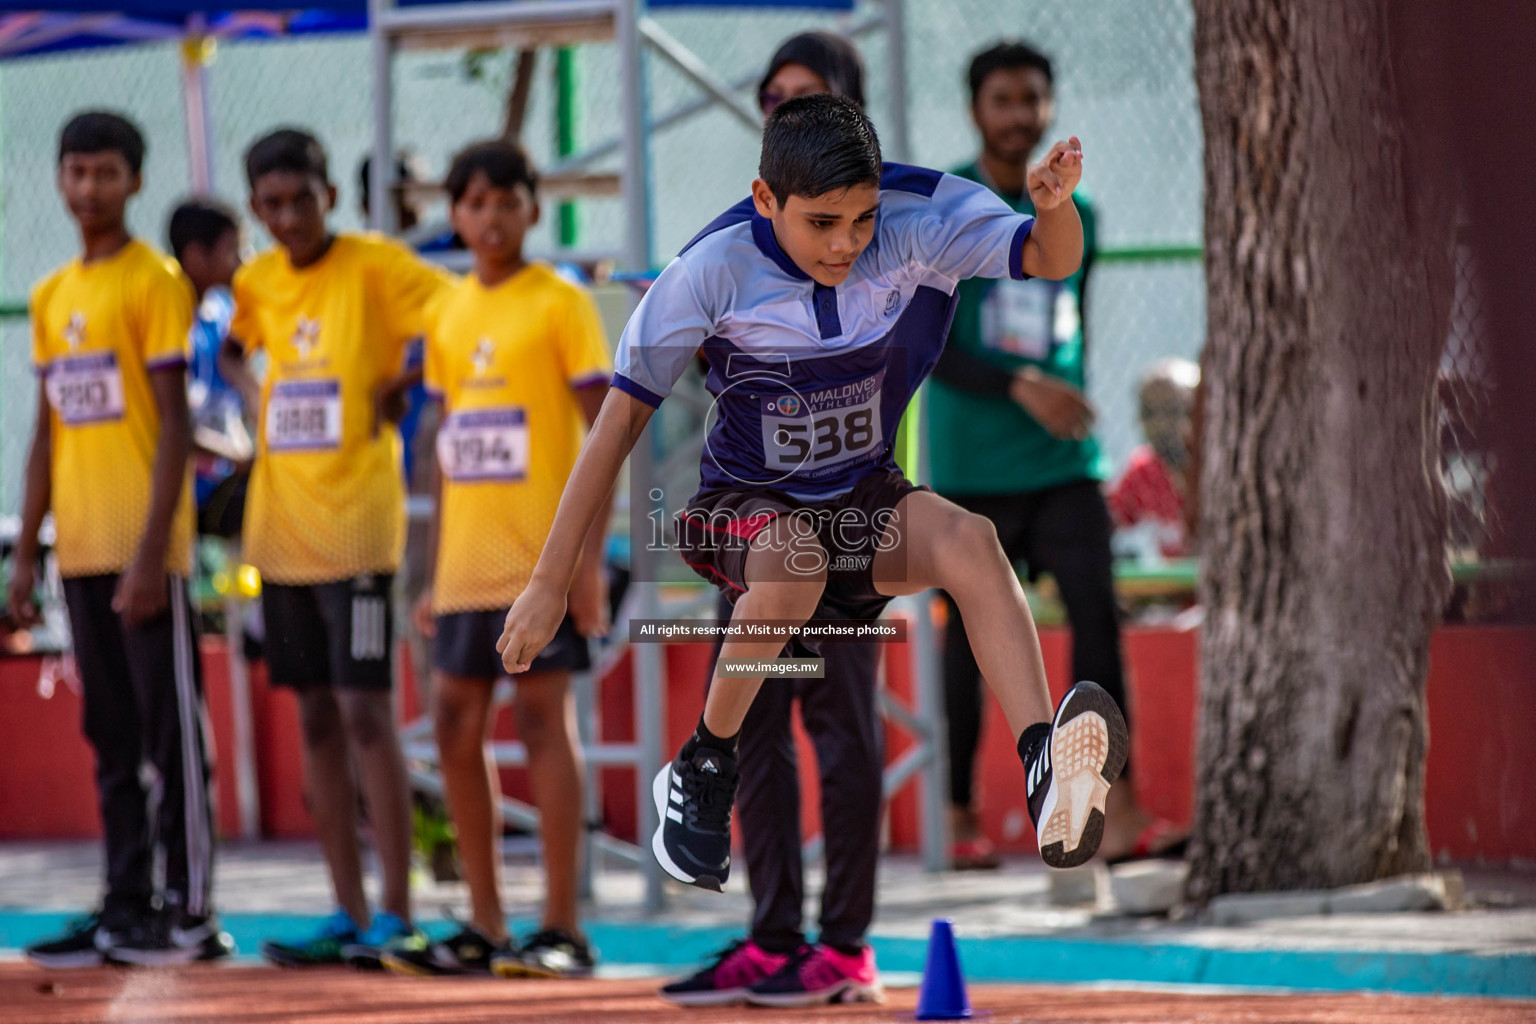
<point x="1071" y="772"/>
<point x="693" y="803"/>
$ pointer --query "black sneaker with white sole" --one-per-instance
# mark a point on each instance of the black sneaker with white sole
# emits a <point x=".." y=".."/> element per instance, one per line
<point x="551" y="953"/>
<point x="693" y="802"/>
<point x="467" y="951"/>
<point x="149" y="943"/>
<point x="75" y="948"/>
<point x="1070" y="774"/>
<point x="201" y="933"/>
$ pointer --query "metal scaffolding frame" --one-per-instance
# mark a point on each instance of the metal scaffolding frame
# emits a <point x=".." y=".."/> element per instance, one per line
<point x="532" y="23"/>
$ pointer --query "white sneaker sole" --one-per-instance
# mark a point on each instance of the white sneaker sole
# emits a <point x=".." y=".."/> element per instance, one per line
<point x="1087" y="753"/>
<point x="711" y="997"/>
<point x="154" y="957"/>
<point x="66" y="961"/>
<point x="538" y="972"/>
<point x="846" y="991"/>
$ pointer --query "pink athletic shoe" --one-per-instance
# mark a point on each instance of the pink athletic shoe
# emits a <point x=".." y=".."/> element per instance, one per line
<point x="725" y="981"/>
<point x="819" y="975"/>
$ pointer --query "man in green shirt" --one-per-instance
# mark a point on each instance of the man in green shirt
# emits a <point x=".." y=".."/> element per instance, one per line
<point x="1010" y="437"/>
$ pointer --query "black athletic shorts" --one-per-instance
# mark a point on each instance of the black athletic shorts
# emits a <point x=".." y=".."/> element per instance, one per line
<point x="330" y="634"/>
<point x="715" y="533"/>
<point x="465" y="645"/>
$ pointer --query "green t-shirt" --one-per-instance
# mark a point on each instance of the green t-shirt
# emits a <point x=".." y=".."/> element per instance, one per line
<point x="986" y="444"/>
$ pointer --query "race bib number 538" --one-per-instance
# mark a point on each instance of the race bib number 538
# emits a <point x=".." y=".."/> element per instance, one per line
<point x="304" y="414"/>
<point x="484" y="444"/>
<point x="826" y="428"/>
<point x="86" y="389"/>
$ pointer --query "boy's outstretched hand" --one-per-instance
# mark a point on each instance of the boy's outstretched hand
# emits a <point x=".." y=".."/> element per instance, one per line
<point x="1052" y="180"/>
<point x="531" y="624"/>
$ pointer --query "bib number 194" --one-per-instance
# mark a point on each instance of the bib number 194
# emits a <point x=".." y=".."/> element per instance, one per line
<point x="484" y="444"/>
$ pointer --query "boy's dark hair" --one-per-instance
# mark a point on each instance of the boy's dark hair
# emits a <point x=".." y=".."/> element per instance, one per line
<point x="286" y="149"/>
<point x="201" y="220"/>
<point x="1007" y="55"/>
<point x="813" y="145"/>
<point x="503" y="163"/>
<point x="98" y="131"/>
<point x="829" y="55"/>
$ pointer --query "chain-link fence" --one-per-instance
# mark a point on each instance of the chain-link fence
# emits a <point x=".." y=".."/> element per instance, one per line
<point x="1124" y="84"/>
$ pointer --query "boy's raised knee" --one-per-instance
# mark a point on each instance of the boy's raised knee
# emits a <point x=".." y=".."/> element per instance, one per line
<point x="965" y="544"/>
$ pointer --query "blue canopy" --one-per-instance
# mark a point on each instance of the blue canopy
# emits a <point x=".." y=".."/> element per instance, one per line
<point x="25" y="28"/>
<point x="32" y="31"/>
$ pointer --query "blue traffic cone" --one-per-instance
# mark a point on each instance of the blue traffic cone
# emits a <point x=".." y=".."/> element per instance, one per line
<point x="943" y="993"/>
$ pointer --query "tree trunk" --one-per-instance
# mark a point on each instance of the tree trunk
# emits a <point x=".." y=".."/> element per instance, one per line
<point x="1329" y="276"/>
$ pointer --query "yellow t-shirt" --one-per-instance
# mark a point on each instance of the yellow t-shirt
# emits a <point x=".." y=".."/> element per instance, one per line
<point x="505" y="362"/>
<point x="326" y="499"/>
<point x="98" y="330"/>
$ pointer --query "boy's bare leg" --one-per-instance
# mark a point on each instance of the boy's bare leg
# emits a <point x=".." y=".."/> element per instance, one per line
<point x="333" y="797"/>
<point x="461" y="716"/>
<point x="936" y="543"/>
<point x="545" y="712"/>
<point x="371" y="729"/>
<point x="786" y="574"/>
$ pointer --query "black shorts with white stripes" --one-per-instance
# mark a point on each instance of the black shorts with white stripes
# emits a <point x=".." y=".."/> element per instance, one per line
<point x="330" y="634"/>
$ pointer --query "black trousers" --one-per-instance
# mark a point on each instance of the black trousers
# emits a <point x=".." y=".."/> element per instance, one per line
<point x="843" y="721"/>
<point x="143" y="701"/>
<point x="1064" y="531"/>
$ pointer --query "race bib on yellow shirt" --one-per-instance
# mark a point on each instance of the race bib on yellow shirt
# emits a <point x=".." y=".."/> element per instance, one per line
<point x="86" y="389"/>
<point x="484" y="444"/>
<point x="304" y="415"/>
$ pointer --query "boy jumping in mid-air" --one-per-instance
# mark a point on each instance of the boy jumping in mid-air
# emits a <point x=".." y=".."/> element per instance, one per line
<point x="516" y="356"/>
<point x="819" y="321"/>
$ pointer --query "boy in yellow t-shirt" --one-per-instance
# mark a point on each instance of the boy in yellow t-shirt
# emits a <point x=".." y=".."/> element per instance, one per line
<point x="517" y="357"/>
<point x="109" y="457"/>
<point x="325" y="515"/>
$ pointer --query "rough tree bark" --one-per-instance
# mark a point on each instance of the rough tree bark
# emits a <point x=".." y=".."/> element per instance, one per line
<point x="1329" y="277"/>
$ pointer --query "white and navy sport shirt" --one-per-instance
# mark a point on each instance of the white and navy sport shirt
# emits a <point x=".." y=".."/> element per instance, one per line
<point x="810" y="382"/>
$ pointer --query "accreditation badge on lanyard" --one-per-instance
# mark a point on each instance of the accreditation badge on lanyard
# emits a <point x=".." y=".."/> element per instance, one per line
<point x="1029" y="319"/>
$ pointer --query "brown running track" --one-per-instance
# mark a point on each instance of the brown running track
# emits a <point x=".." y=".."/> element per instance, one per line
<point x="258" y="995"/>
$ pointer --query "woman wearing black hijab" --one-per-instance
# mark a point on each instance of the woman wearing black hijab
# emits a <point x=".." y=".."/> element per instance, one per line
<point x="812" y="63"/>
